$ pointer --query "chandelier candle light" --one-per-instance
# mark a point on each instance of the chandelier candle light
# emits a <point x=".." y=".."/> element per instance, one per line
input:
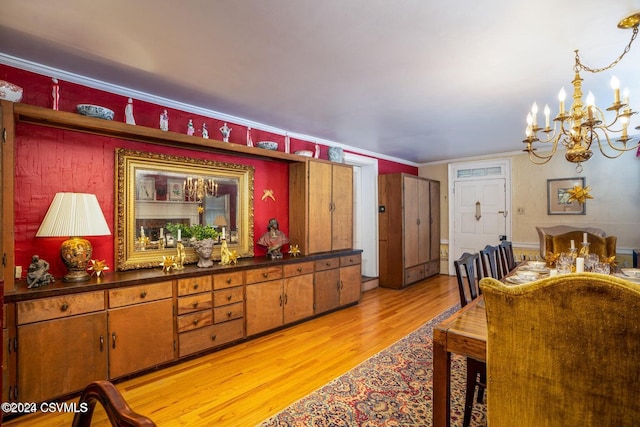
<point x="583" y="125"/>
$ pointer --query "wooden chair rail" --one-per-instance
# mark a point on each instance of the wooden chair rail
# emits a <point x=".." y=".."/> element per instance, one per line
<point x="119" y="413"/>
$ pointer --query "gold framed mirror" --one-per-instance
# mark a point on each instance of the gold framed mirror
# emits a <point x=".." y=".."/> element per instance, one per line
<point x="154" y="192"/>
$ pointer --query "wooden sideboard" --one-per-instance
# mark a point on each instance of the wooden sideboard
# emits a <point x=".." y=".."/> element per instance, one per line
<point x="60" y="337"/>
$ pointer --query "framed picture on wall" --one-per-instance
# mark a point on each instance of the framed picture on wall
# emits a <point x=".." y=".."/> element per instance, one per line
<point x="558" y="202"/>
<point x="146" y="189"/>
<point x="175" y="190"/>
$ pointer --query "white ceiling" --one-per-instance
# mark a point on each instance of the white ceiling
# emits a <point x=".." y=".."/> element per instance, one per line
<point x="417" y="80"/>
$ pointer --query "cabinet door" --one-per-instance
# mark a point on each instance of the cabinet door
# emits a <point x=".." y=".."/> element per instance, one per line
<point x="327" y="290"/>
<point x="424" y="219"/>
<point x="320" y="206"/>
<point x="434" y="220"/>
<point x="264" y="306"/>
<point x="411" y="220"/>
<point x="342" y="208"/>
<point x="140" y="336"/>
<point x="298" y="297"/>
<point x="61" y="356"/>
<point x="350" y="283"/>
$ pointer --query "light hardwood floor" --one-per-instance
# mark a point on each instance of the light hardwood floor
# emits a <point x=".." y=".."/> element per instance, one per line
<point x="245" y="384"/>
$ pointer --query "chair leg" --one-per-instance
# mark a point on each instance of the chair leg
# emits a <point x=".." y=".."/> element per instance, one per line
<point x="472" y="376"/>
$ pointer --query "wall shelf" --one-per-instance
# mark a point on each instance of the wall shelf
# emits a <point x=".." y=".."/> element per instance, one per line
<point x="71" y="121"/>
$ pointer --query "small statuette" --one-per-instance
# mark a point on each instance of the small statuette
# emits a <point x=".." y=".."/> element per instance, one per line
<point x="317" y="155"/>
<point x="273" y="240"/>
<point x="55" y="94"/>
<point x="180" y="255"/>
<point x="205" y="131"/>
<point x="190" y="129"/>
<point x="249" y="140"/>
<point x="225" y="258"/>
<point x="287" y="143"/>
<point x="128" y="113"/>
<point x="38" y="273"/>
<point x="164" y="121"/>
<point x="225" y="131"/>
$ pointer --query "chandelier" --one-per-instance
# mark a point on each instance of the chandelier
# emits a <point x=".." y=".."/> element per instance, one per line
<point x="584" y="125"/>
<point x="197" y="188"/>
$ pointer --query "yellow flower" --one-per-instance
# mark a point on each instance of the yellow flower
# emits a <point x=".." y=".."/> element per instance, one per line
<point x="98" y="267"/>
<point x="294" y="250"/>
<point x="233" y="257"/>
<point x="579" y="194"/>
<point x="168" y="262"/>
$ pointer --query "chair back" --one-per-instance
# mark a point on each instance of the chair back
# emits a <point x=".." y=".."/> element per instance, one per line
<point x="507" y="258"/>
<point x="603" y="246"/>
<point x="490" y="261"/>
<point x="562" y="351"/>
<point x="467" y="269"/>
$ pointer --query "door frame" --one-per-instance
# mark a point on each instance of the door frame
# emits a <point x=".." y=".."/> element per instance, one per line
<point x="365" y="209"/>
<point x="505" y="172"/>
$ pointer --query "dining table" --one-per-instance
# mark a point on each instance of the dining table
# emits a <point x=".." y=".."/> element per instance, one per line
<point x="463" y="333"/>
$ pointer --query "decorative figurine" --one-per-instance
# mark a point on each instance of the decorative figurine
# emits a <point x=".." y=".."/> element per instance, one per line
<point x="273" y="240"/>
<point x="98" y="267"/>
<point x="168" y="262"/>
<point x="294" y="250"/>
<point x="190" y="129"/>
<point x="287" y="143"/>
<point x="55" y="94"/>
<point x="180" y="255"/>
<point x="225" y="131"/>
<point x="128" y="113"/>
<point x="317" y="155"/>
<point x="225" y="254"/>
<point x="233" y="257"/>
<point x="249" y="140"/>
<point x="164" y="121"/>
<point x="38" y="273"/>
<point x="205" y="131"/>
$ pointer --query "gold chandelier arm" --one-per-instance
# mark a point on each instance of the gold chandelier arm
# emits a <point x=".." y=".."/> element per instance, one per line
<point x="619" y="150"/>
<point x="581" y="66"/>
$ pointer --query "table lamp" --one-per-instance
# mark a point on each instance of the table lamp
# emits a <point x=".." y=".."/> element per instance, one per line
<point x="74" y="215"/>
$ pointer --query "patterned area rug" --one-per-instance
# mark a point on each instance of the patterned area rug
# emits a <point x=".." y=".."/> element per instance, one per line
<point x="391" y="388"/>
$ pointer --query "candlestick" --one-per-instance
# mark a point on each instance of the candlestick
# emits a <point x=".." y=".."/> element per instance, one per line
<point x="579" y="265"/>
<point x="584" y="237"/>
<point x="573" y="244"/>
<point x="179" y="235"/>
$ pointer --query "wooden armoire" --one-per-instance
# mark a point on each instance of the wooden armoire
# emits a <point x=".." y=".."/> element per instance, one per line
<point x="409" y="229"/>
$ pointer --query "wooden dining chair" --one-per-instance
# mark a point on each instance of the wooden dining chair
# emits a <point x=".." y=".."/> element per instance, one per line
<point x="561" y="351"/>
<point x="467" y="272"/>
<point x="490" y="262"/>
<point x="507" y="259"/>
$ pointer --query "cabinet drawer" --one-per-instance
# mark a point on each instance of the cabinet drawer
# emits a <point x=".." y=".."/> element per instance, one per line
<point x="210" y="336"/>
<point x="264" y="274"/>
<point x="349" y="260"/>
<point x="194" y="303"/>
<point x="57" y="307"/>
<point x="227" y="280"/>
<point x="194" y="285"/>
<point x="228" y="296"/>
<point x="327" y="264"/>
<point x="228" y="312"/>
<point x="298" y="268"/>
<point x="188" y="322"/>
<point x="137" y="294"/>
<point x="414" y="274"/>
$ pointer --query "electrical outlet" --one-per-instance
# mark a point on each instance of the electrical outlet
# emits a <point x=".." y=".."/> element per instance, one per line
<point x="520" y="211"/>
<point x="18" y="274"/>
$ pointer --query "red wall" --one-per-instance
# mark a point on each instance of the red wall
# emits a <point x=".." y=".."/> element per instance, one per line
<point x="51" y="160"/>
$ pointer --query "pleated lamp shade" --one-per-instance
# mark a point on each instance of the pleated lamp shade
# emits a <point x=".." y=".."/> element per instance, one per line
<point x="74" y="215"/>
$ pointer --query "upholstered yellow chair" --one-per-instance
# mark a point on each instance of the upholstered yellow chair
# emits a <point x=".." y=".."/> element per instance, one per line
<point x="603" y="246"/>
<point x="563" y="351"/>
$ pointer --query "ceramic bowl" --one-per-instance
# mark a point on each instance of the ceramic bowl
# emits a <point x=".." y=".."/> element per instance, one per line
<point x="10" y="92"/>
<point x="538" y="265"/>
<point x="95" y="111"/>
<point x="526" y="276"/>
<point x="306" y="153"/>
<point x="268" y="145"/>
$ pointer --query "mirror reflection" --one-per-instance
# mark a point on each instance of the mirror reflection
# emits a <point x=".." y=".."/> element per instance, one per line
<point x="167" y="195"/>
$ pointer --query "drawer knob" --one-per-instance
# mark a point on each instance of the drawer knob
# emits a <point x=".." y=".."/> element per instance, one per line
<point x="265" y="275"/>
<point x="195" y="321"/>
<point x="299" y="269"/>
<point x="195" y="304"/>
<point x="328" y="264"/>
<point x="229" y="280"/>
<point x="229" y="314"/>
<point x="64" y="307"/>
<point x="195" y="286"/>
<point x="143" y="294"/>
<point x="229" y="297"/>
<point x="213" y="337"/>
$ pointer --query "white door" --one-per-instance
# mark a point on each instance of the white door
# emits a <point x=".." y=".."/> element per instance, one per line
<point x="479" y="213"/>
